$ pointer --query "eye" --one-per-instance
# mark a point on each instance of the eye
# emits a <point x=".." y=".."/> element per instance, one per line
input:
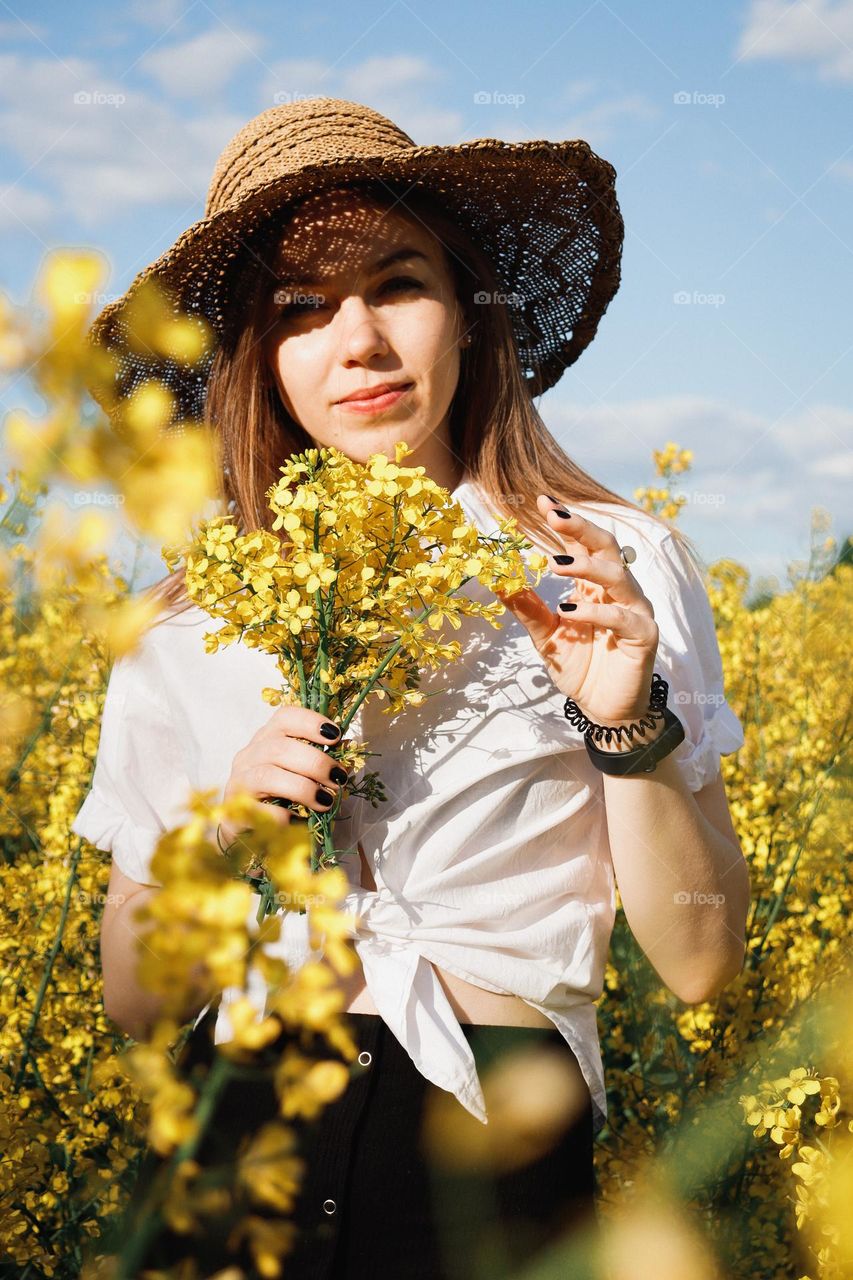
<point x="296" y="308"/>
<point x="408" y="282"/>
<point x="398" y="284"/>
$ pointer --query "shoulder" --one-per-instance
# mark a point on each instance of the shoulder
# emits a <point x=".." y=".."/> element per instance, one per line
<point x="627" y="524"/>
<point x="623" y="522"/>
<point x="168" y="646"/>
<point x="175" y="628"/>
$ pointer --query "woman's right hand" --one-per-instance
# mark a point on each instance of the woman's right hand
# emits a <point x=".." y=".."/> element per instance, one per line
<point x="276" y="763"/>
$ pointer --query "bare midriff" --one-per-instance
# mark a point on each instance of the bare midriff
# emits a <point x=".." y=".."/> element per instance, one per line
<point x="470" y="1003"/>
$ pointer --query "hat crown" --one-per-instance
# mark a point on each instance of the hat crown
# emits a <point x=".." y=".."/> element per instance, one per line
<point x="286" y="138"/>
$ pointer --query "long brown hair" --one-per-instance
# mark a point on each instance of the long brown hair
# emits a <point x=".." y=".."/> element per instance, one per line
<point x="495" y="429"/>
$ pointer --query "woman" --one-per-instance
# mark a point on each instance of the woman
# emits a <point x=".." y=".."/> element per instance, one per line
<point x="339" y="261"/>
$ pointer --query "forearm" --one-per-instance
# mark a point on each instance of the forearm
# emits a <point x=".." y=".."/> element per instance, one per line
<point x="126" y="1002"/>
<point x="684" y="886"/>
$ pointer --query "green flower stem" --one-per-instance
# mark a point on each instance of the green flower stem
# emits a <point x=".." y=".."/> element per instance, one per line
<point x="392" y="652"/>
<point x="150" y="1216"/>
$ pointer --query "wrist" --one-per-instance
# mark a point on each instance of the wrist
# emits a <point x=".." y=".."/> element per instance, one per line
<point x="629" y="742"/>
<point x="623" y="749"/>
<point x="621" y="743"/>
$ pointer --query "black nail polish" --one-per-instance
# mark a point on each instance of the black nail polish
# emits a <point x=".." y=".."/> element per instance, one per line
<point x="339" y="775"/>
<point x="329" y="730"/>
<point x="568" y="605"/>
<point x="323" y="797"/>
<point x="558" y="511"/>
<point x="564" y="559"/>
<point x="550" y="499"/>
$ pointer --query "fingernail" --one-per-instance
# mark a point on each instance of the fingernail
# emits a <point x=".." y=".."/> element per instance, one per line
<point x="560" y="512"/>
<point x="564" y="559"/>
<point x="339" y="775"/>
<point x="323" y="797"/>
<point x="550" y="499"/>
<point x="567" y="605"/>
<point x="329" y="730"/>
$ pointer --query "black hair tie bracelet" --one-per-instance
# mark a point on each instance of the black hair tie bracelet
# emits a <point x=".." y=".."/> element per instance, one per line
<point x="644" y="757"/>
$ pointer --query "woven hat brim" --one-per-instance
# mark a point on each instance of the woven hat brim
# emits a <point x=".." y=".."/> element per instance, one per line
<point x="545" y="213"/>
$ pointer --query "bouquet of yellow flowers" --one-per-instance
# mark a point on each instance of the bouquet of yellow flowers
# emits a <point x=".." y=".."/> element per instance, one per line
<point x="351" y="595"/>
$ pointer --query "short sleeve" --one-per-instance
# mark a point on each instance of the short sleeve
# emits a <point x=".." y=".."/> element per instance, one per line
<point x="688" y="658"/>
<point x="140" y="789"/>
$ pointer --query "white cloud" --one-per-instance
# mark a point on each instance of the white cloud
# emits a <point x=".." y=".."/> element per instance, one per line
<point x="296" y="78"/>
<point x="383" y="83"/>
<point x="112" y="149"/>
<point x="844" y="168"/>
<point x="631" y="430"/>
<point x="753" y="482"/>
<point x="819" y="432"/>
<point x="598" y="124"/>
<point x="21" y="208"/>
<point x="383" y="75"/>
<point x="429" y="128"/>
<point x="159" y="13"/>
<point x="579" y="89"/>
<point x="835" y="466"/>
<point x="818" y="33"/>
<point x="20" y="30"/>
<point x="202" y="66"/>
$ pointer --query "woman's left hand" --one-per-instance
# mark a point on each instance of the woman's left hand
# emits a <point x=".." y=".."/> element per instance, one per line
<point x="602" y="653"/>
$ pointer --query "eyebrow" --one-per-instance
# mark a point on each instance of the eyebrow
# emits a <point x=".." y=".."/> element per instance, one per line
<point x="379" y="265"/>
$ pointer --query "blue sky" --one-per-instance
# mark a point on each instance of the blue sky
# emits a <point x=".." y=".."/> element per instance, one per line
<point x="728" y="126"/>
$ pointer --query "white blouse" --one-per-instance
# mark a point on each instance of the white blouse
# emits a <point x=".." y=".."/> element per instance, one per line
<point x="490" y="856"/>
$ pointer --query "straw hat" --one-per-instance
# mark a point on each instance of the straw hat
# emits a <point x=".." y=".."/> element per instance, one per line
<point x="545" y="214"/>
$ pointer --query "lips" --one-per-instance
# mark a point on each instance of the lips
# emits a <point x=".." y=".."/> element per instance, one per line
<point x="371" y="393"/>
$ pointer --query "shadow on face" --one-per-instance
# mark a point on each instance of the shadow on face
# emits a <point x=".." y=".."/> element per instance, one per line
<point x="361" y="297"/>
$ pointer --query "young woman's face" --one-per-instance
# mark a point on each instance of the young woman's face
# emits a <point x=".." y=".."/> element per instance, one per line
<point x="340" y="321"/>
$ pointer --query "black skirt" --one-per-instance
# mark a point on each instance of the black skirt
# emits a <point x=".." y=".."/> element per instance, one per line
<point x="372" y="1203"/>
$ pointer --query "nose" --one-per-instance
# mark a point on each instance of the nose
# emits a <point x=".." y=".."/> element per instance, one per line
<point x="360" y="336"/>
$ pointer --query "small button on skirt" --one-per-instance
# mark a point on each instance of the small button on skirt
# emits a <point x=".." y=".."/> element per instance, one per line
<point x="379" y="1200"/>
